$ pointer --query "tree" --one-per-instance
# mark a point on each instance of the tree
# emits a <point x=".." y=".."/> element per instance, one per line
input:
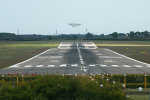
<point x="145" y="34"/>
<point x="115" y="35"/>
<point x="74" y="37"/>
<point x="132" y="34"/>
<point x="88" y="36"/>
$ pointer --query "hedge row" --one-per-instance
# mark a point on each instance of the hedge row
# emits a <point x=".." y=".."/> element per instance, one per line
<point x="55" y="87"/>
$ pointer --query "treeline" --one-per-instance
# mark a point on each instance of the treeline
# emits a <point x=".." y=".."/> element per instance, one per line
<point x="145" y="35"/>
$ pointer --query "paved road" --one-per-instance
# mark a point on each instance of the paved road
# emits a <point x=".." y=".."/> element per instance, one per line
<point x="76" y="58"/>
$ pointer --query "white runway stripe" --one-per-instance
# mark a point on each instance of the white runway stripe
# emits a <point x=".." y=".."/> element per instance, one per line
<point x="138" y="66"/>
<point x="74" y="65"/>
<point x="91" y="65"/>
<point x="114" y="65"/>
<point x="39" y="66"/>
<point x="108" y="61"/>
<point x="126" y="66"/>
<point x="28" y="66"/>
<point x="98" y="54"/>
<point x="62" y="51"/>
<point x="108" y="57"/>
<point x="63" y="65"/>
<point x="51" y="66"/>
<point x="148" y="65"/>
<point x="14" y="66"/>
<point x="55" y="57"/>
<point x="54" y="60"/>
<point x="103" y="65"/>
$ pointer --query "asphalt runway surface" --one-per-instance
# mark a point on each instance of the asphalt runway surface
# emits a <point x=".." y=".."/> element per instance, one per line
<point x="77" y="58"/>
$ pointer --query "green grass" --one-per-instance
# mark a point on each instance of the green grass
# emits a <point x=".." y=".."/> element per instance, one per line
<point x="141" y="53"/>
<point x="139" y="97"/>
<point x="122" y="43"/>
<point x="14" y="52"/>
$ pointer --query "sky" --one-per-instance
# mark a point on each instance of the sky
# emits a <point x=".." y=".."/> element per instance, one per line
<point x="98" y="16"/>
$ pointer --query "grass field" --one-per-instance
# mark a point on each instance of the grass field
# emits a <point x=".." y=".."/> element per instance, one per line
<point x="122" y="43"/>
<point x="139" y="96"/>
<point x="14" y="52"/>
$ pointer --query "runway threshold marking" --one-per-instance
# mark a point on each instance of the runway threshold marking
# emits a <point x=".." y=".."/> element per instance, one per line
<point x="74" y="65"/>
<point x="14" y="66"/>
<point x="51" y="66"/>
<point x="138" y="66"/>
<point x="28" y="66"/>
<point x="103" y="65"/>
<point x="126" y="66"/>
<point x="63" y="65"/>
<point x="39" y="66"/>
<point x="91" y="65"/>
<point x="114" y="65"/>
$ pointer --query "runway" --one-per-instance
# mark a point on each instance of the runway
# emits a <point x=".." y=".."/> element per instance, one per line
<point x="76" y="58"/>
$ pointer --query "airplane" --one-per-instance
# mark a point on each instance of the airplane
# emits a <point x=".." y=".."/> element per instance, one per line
<point x="74" y="24"/>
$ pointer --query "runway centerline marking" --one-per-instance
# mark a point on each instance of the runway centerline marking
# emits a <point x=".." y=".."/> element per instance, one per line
<point x="80" y="57"/>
